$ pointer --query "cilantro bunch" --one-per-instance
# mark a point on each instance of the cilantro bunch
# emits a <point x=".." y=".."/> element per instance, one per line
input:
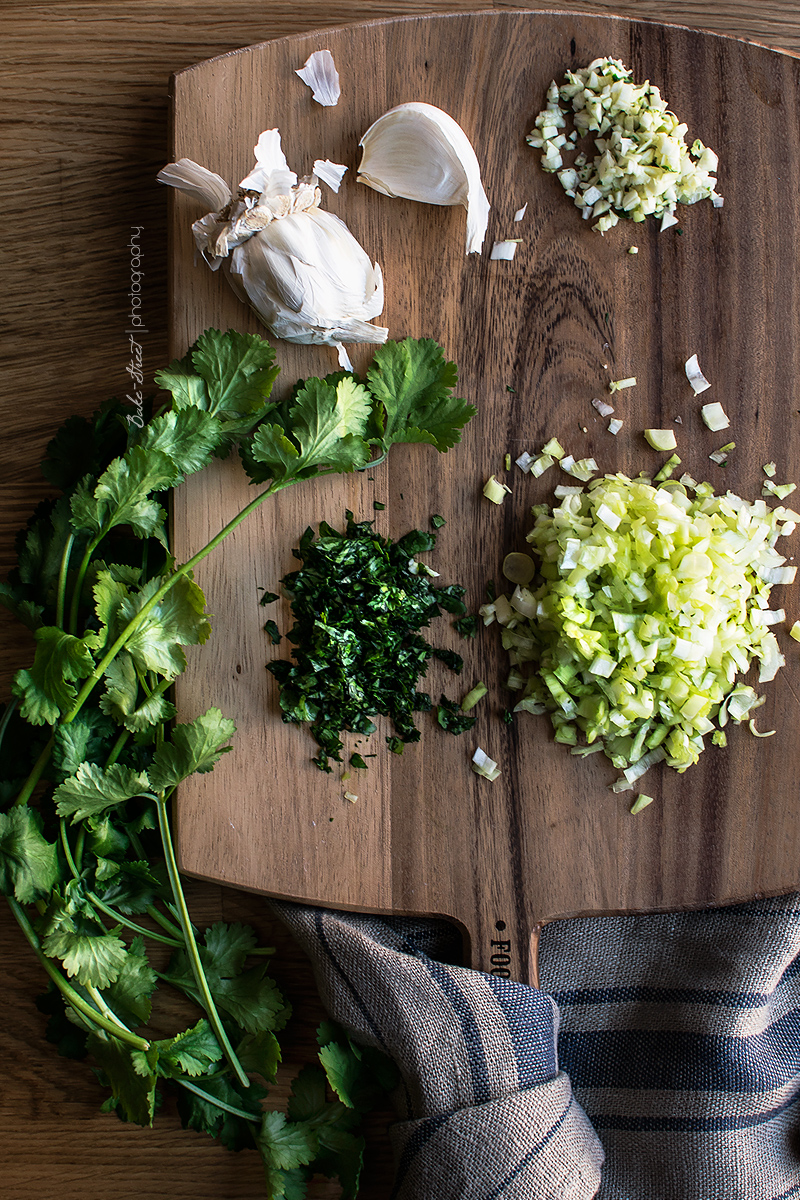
<point x="91" y="759"/>
<point x="359" y="602"/>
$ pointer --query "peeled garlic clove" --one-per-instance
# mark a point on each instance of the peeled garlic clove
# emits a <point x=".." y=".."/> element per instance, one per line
<point x="419" y="152"/>
<point x="197" y="181"/>
<point x="319" y="72"/>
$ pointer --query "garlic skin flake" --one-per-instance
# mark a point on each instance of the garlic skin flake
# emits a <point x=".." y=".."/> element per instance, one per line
<point x="330" y="173"/>
<point x="319" y="72"/>
<point x="297" y="266"/>
<point x="418" y="152"/>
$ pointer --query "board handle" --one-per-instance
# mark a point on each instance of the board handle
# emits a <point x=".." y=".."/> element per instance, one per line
<point x="507" y="950"/>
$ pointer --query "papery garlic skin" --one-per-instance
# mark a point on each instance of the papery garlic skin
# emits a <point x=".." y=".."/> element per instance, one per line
<point x="297" y="266"/>
<point x="319" y="72"/>
<point x="419" y="152"/>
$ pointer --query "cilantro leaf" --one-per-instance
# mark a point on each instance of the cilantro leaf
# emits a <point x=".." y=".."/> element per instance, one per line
<point x="129" y="994"/>
<point x="84" y="740"/>
<point x="121" y="699"/>
<point x="177" y="620"/>
<point x="201" y="1113"/>
<point x="343" y="1071"/>
<point x="327" y="425"/>
<point x="227" y="946"/>
<point x="46" y="689"/>
<point x="229" y="375"/>
<point x="284" y="1144"/>
<point x="260" y="1054"/>
<point x="133" y="1091"/>
<point x="96" y="959"/>
<point x="413" y="383"/>
<point x="28" y="862"/>
<point x="92" y="790"/>
<point x="193" y="1051"/>
<point x="196" y="746"/>
<point x="122" y="495"/>
<point x="85" y="446"/>
<point x="272" y="631"/>
<point x="188" y="436"/>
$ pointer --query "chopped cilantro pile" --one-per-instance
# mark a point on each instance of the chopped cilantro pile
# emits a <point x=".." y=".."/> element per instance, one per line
<point x="359" y="601"/>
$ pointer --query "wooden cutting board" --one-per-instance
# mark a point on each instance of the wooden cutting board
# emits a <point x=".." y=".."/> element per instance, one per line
<point x="535" y="340"/>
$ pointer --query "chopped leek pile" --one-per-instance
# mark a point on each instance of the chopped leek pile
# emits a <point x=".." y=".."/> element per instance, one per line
<point x="651" y="601"/>
<point x="642" y="166"/>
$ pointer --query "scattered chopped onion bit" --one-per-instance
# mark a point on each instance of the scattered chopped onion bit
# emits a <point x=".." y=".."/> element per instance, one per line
<point x="714" y="416"/>
<point x="505" y="250"/>
<point x="485" y="766"/>
<point x="695" y="376"/>
<point x="495" y="491"/>
<point x="618" y="385"/>
<point x="661" y="439"/>
<point x="641" y="801"/>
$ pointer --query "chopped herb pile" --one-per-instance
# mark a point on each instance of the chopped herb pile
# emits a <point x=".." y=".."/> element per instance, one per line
<point x="359" y="602"/>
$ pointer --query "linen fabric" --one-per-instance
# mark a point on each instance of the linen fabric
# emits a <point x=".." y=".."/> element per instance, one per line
<point x="659" y="1060"/>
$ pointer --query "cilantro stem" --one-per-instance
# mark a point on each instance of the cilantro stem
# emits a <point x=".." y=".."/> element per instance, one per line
<point x="191" y="944"/>
<point x="166" y="924"/>
<point x="117" y="748"/>
<point x="62" y="580"/>
<point x="70" y="995"/>
<point x="104" y="1009"/>
<point x="128" y="924"/>
<point x="78" y="588"/>
<point x="36" y="772"/>
<point x="228" y="1108"/>
<point x="10" y="707"/>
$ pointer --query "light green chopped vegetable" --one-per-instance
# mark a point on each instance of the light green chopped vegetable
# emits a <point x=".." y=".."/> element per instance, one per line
<point x="473" y="696"/>
<point x="668" y="469"/>
<point x="714" y="416"/>
<point x="661" y="439"/>
<point x="769" y="469"/>
<point x="650" y="602"/>
<point x="642" y="165"/>
<point x="619" y="385"/>
<point x="554" y="448"/>
<point x="485" y="766"/>
<point x="721" y="456"/>
<point x="494" y="490"/>
<point x="519" y="568"/>
<point x="633" y="250"/>
<point x="507" y="461"/>
<point x="641" y="801"/>
<point x="780" y="490"/>
<point x="614" y="426"/>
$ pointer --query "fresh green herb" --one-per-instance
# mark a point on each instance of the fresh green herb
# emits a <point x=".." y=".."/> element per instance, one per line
<point x="450" y="716"/>
<point x="376" y="504"/>
<point x="88" y="729"/>
<point x="508" y="717"/>
<point x="359" y="601"/>
<point x="466" y="626"/>
<point x="356" y="760"/>
<point x="269" y="598"/>
<point x="272" y="630"/>
<point x="437" y="522"/>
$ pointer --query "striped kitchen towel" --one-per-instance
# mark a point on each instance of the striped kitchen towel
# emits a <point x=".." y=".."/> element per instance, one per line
<point x="668" y="1045"/>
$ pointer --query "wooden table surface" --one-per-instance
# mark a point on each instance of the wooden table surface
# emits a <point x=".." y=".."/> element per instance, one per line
<point x="84" y="131"/>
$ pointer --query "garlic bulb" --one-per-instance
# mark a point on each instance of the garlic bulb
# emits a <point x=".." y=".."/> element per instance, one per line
<point x="419" y="152"/>
<point x="298" y="267"/>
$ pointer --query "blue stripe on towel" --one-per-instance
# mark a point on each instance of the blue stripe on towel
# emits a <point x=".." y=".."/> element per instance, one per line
<point x="674" y="1059"/>
<point x="529" y="1014"/>
<point x="469" y="1028"/>
<point x="665" y="1124"/>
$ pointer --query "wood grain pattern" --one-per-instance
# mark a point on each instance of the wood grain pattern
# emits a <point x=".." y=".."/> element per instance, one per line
<point x="85" y="125"/>
<point x="571" y="312"/>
